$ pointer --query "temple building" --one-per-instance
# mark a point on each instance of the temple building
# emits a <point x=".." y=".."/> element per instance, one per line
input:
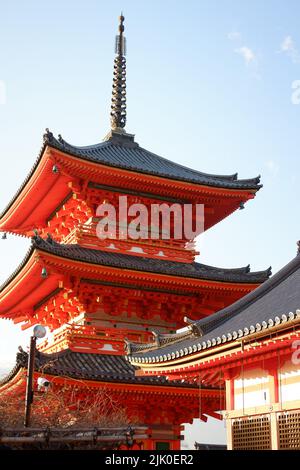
<point x="97" y="294"/>
<point x="252" y="350"/>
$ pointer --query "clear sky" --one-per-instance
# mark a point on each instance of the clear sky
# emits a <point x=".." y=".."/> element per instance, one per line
<point x="209" y="86"/>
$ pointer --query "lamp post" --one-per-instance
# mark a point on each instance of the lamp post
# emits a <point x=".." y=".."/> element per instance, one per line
<point x="129" y="436"/>
<point x="38" y="332"/>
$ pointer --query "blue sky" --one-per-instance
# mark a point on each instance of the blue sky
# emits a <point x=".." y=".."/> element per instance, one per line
<point x="209" y="86"/>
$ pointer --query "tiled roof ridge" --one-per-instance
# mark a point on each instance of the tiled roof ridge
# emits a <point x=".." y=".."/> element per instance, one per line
<point x="62" y="144"/>
<point x="162" y="356"/>
<point x="51" y="245"/>
<point x="260" y="291"/>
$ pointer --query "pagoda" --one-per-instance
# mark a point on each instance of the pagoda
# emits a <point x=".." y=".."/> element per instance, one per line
<point x="96" y="295"/>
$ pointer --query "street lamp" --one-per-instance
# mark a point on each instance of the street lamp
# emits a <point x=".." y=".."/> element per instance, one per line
<point x="39" y="331"/>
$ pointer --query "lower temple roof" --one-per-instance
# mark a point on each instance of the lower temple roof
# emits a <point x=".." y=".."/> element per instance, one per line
<point x="273" y="305"/>
<point x="88" y="366"/>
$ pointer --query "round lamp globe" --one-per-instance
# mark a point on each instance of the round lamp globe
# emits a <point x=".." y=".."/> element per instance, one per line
<point x="39" y="331"/>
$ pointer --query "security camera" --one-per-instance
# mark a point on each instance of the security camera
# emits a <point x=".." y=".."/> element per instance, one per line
<point x="43" y="383"/>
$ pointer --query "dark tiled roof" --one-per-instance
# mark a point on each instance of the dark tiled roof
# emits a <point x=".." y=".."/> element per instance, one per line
<point x="97" y="367"/>
<point x="273" y="303"/>
<point x="138" y="263"/>
<point x="122" y="152"/>
<point x="200" y="446"/>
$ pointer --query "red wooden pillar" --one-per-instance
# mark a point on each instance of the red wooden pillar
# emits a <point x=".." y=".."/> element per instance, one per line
<point x="229" y="376"/>
<point x="271" y="366"/>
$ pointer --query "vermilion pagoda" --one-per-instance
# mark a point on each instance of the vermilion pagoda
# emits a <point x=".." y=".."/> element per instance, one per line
<point x="97" y="294"/>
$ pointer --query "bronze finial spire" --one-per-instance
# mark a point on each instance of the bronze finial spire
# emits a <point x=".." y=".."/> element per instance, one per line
<point x="118" y="101"/>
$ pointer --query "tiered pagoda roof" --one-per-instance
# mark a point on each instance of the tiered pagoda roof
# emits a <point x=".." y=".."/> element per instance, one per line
<point x="95" y="367"/>
<point x="117" y="260"/>
<point x="34" y="288"/>
<point x="102" y="163"/>
<point x="121" y="151"/>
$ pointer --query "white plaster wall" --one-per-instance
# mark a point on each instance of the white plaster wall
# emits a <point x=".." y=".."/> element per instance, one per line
<point x="246" y="397"/>
<point x="289" y="384"/>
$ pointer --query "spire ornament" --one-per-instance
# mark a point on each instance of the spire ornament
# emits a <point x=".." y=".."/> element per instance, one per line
<point x="118" y="101"/>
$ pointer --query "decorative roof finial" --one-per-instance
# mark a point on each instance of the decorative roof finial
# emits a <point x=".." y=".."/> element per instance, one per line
<point x="118" y="101"/>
